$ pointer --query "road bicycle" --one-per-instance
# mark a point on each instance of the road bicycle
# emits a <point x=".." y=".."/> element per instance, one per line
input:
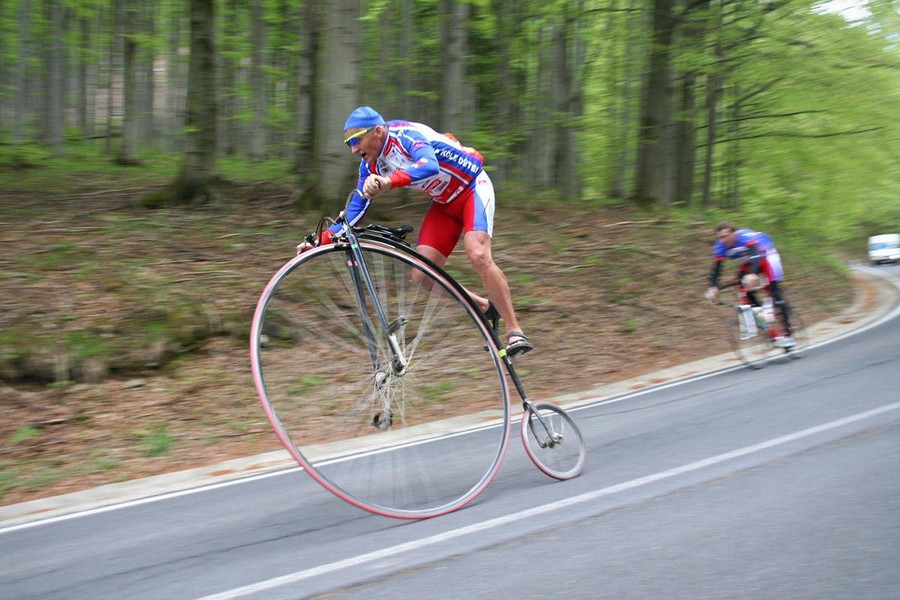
<point x="760" y="331"/>
<point x="388" y="384"/>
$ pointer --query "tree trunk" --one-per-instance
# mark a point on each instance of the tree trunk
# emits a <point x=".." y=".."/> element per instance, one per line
<point x="539" y="119"/>
<point x="306" y="96"/>
<point x="21" y="108"/>
<point x="113" y="71"/>
<point x="734" y="164"/>
<point x="655" y="152"/>
<point x="686" y="140"/>
<point x="569" y="57"/>
<point x="504" y="108"/>
<point x="85" y="113"/>
<point x="713" y="89"/>
<point x="686" y="136"/>
<point x="620" y="82"/>
<point x="127" y="151"/>
<point x="55" y="89"/>
<point x="257" y="149"/>
<point x="338" y="95"/>
<point x="456" y="105"/>
<point x="198" y="182"/>
<point x="175" y="83"/>
<point x="406" y="50"/>
<point x="146" y="107"/>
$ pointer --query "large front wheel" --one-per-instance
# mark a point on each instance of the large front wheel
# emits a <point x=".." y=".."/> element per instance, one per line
<point x="402" y="413"/>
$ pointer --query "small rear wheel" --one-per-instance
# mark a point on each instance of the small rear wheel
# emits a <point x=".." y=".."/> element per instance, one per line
<point x="750" y="339"/>
<point x="553" y="441"/>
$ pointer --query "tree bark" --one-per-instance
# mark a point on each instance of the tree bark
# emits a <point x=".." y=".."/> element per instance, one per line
<point x="713" y="89"/>
<point x="456" y="103"/>
<point x="306" y="96"/>
<point x="127" y="151"/>
<point x="146" y="106"/>
<point x="338" y="96"/>
<point x="257" y="149"/>
<point x="55" y="89"/>
<point x="655" y="151"/>
<point x="21" y="108"/>
<point x="198" y="182"/>
<point x="686" y="132"/>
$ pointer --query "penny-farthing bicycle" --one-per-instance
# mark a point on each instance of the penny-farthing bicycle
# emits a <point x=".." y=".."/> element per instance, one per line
<point x="386" y="382"/>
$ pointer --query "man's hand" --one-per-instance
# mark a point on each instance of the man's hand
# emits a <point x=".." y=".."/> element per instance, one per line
<point x="374" y="185"/>
<point x="712" y="294"/>
<point x="326" y="237"/>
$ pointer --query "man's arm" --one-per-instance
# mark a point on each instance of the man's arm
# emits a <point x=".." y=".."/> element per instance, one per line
<point x="425" y="163"/>
<point x="714" y="273"/>
<point x="359" y="204"/>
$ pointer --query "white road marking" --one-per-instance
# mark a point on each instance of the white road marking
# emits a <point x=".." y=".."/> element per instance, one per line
<point x="370" y="557"/>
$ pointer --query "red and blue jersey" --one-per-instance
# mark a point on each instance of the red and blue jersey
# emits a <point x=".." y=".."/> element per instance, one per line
<point x="414" y="155"/>
<point x="754" y="249"/>
<point x="748" y="243"/>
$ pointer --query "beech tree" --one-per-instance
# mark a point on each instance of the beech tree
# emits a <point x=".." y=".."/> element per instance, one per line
<point x="198" y="181"/>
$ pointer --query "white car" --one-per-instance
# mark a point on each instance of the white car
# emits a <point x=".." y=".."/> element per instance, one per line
<point x="884" y="248"/>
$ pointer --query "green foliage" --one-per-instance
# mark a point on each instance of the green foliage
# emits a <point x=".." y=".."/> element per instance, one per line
<point x="23" y="434"/>
<point x="156" y="440"/>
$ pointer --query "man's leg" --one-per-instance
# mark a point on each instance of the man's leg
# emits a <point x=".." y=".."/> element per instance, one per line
<point x="478" y="249"/>
<point x="437" y="257"/>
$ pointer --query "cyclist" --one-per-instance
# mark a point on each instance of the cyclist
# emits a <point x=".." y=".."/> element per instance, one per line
<point x="406" y="154"/>
<point x="756" y="253"/>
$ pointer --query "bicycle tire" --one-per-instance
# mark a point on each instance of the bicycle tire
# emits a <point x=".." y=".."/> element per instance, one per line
<point x="751" y="343"/>
<point x="409" y="446"/>
<point x="562" y="457"/>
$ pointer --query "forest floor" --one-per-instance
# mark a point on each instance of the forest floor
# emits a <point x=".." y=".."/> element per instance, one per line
<point x="137" y="320"/>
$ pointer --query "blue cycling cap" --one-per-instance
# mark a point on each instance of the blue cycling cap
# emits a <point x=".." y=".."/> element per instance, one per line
<point x="363" y="116"/>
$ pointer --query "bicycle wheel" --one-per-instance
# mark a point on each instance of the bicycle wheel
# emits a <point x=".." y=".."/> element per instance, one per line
<point x="553" y="442"/>
<point x="411" y="442"/>
<point x="749" y="339"/>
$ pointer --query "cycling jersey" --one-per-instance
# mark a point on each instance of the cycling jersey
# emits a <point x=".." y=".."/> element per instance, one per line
<point x="414" y="155"/>
<point x="754" y="249"/>
<point x="748" y="243"/>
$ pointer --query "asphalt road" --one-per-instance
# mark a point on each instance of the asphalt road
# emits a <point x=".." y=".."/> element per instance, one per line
<point x="781" y="483"/>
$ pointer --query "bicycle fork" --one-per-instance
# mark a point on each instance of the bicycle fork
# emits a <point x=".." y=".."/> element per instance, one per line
<point x="362" y="285"/>
<point x="541" y="429"/>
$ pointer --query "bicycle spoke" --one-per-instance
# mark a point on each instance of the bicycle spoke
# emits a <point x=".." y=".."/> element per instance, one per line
<point x="553" y="441"/>
<point x="406" y="440"/>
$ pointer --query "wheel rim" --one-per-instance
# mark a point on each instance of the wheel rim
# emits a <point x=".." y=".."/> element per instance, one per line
<point x="408" y="441"/>
<point x="553" y="442"/>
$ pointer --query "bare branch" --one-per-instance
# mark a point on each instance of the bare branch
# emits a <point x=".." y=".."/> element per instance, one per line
<point x="788" y="134"/>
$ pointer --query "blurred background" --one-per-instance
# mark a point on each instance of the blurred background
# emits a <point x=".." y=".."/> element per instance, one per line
<point x="159" y="159"/>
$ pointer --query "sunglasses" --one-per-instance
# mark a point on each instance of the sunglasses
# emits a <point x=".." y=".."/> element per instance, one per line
<point x="353" y="140"/>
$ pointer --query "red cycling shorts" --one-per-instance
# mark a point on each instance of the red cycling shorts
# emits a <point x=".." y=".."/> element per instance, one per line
<point x="471" y="211"/>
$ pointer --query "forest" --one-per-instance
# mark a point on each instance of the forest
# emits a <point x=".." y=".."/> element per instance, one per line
<point x="781" y="111"/>
<point x="159" y="160"/>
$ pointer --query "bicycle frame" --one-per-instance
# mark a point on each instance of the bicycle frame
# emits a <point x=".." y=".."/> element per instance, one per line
<point x="399" y="363"/>
<point x="751" y="315"/>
